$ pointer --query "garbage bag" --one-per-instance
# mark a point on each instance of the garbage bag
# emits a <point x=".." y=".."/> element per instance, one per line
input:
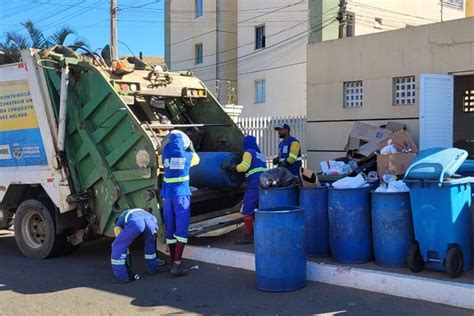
<point x="278" y="177"/>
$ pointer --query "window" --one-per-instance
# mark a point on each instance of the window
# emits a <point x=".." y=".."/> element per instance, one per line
<point x="260" y="91"/>
<point x="353" y="94"/>
<point x="456" y="3"/>
<point x="198" y="7"/>
<point x="260" y="36"/>
<point x="198" y="53"/>
<point x="468" y="101"/>
<point x="350" y="26"/>
<point x="404" y="90"/>
<point x="378" y="24"/>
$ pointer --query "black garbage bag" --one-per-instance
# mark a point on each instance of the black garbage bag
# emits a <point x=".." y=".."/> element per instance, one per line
<point x="278" y="178"/>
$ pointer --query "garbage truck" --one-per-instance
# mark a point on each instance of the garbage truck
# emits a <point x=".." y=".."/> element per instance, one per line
<point x="80" y="136"/>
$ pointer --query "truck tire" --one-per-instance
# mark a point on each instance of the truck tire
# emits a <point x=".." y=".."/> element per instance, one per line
<point x="35" y="230"/>
<point x="6" y="219"/>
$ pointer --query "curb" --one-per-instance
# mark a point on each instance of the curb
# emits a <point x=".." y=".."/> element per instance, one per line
<point x="407" y="286"/>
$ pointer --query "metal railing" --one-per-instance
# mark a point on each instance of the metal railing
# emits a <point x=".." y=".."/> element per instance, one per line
<point x="263" y="128"/>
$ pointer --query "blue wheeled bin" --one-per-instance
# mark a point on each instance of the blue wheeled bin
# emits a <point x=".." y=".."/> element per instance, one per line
<point x="280" y="243"/>
<point x="441" y="207"/>
<point x="350" y="232"/>
<point x="278" y="197"/>
<point x="314" y="201"/>
<point x="392" y="228"/>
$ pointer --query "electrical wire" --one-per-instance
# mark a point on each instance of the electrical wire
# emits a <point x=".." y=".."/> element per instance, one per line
<point x="286" y="40"/>
<point x="252" y="42"/>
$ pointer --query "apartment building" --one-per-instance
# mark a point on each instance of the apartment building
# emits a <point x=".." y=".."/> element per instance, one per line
<point x="201" y="36"/>
<point x="258" y="49"/>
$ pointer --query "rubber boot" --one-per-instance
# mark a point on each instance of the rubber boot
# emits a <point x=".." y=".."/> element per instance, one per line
<point x="248" y="235"/>
<point x="246" y="240"/>
<point x="178" y="269"/>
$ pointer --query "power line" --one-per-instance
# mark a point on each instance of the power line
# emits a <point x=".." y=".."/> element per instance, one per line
<point x="252" y="42"/>
<point x="266" y="13"/>
<point x="293" y="38"/>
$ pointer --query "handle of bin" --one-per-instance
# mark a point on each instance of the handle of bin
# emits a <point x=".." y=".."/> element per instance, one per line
<point x="436" y="166"/>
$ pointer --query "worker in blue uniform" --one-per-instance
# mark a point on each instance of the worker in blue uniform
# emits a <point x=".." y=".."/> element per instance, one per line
<point x="176" y="160"/>
<point x="289" y="151"/>
<point x="128" y="227"/>
<point x="253" y="165"/>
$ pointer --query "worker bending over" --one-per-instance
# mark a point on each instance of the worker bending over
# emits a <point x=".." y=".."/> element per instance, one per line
<point x="128" y="227"/>
<point x="289" y="151"/>
<point x="177" y="159"/>
<point x="253" y="165"/>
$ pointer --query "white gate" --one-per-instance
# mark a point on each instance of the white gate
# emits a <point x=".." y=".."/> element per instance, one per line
<point x="263" y="128"/>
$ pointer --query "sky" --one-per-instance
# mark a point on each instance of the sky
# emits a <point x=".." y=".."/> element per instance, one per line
<point x="140" y="22"/>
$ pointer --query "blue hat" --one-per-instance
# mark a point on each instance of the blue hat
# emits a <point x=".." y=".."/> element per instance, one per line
<point x="285" y="126"/>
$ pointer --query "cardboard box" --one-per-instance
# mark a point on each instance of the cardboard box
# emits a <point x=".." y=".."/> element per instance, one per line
<point x="395" y="126"/>
<point x="309" y="178"/>
<point x="369" y="133"/>
<point x="402" y="142"/>
<point x="395" y="164"/>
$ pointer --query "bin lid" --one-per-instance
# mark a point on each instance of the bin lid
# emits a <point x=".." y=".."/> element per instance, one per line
<point x="436" y="164"/>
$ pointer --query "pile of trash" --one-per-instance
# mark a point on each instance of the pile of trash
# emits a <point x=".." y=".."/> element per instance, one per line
<point x="374" y="155"/>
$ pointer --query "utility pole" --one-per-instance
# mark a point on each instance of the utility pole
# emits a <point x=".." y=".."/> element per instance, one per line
<point x="342" y="18"/>
<point x="442" y="8"/>
<point x="113" y="29"/>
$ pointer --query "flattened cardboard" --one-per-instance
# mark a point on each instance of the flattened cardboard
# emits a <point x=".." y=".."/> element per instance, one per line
<point x="395" y="164"/>
<point x="402" y="142"/>
<point x="395" y="126"/>
<point x="369" y="133"/>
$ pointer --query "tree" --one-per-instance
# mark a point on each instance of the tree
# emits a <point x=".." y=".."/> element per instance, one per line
<point x="35" y="38"/>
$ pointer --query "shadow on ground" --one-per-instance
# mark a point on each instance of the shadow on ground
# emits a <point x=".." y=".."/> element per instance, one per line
<point x="209" y="289"/>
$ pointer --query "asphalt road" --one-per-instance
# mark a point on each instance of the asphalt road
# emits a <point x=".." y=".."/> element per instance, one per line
<point x="81" y="284"/>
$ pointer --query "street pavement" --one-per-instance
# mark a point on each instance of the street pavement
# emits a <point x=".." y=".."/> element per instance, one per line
<point x="80" y="284"/>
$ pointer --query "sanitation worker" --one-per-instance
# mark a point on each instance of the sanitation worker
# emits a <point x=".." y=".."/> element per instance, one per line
<point x="253" y="165"/>
<point x="178" y="157"/>
<point x="128" y="227"/>
<point x="289" y="151"/>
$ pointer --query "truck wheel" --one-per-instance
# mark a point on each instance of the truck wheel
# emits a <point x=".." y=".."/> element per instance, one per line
<point x="35" y="232"/>
<point x="414" y="259"/>
<point x="6" y="218"/>
<point x="454" y="262"/>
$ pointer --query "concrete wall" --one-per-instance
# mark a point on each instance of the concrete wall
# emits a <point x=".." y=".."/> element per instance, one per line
<point x="375" y="59"/>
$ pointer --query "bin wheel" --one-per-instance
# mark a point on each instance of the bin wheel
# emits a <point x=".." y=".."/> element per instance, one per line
<point x="414" y="259"/>
<point x="454" y="262"/>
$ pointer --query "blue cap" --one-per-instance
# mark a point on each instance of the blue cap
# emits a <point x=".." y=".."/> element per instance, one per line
<point x="285" y="126"/>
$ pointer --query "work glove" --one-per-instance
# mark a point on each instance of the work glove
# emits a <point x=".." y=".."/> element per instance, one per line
<point x="284" y="164"/>
<point x="227" y="165"/>
<point x="276" y="161"/>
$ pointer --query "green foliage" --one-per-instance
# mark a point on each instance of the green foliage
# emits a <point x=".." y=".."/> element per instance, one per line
<point x="35" y="38"/>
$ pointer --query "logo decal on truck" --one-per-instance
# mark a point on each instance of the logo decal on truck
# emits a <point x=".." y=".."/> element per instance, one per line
<point x="5" y="152"/>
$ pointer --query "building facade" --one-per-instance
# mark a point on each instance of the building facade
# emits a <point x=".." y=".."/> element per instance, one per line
<point x="201" y="36"/>
<point x="421" y="76"/>
<point x="257" y="50"/>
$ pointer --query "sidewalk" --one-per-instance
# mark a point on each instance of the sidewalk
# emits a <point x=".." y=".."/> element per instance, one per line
<point x="427" y="285"/>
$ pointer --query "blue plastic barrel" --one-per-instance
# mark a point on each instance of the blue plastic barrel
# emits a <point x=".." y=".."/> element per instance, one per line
<point x="278" y="197"/>
<point x="280" y="242"/>
<point x="209" y="174"/>
<point x="392" y="228"/>
<point x="350" y="232"/>
<point x="314" y="201"/>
